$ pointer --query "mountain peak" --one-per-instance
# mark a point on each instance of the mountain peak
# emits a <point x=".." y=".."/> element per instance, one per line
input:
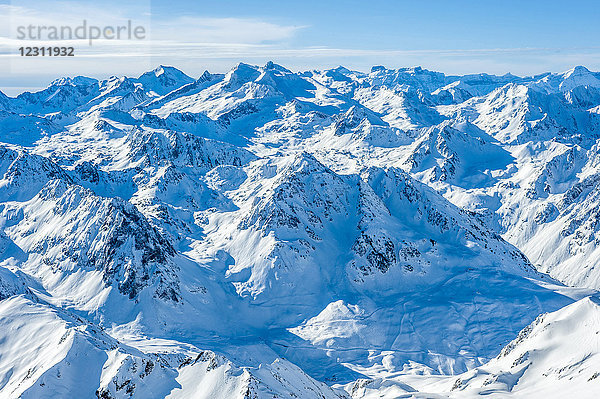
<point x="578" y="76"/>
<point x="164" y="79"/>
<point x="205" y="76"/>
<point x="271" y="66"/>
<point x="159" y="70"/>
<point x="341" y="69"/>
<point x="242" y="73"/>
<point x="577" y="70"/>
<point x="74" y="81"/>
<point x="378" y="68"/>
<point x="165" y="70"/>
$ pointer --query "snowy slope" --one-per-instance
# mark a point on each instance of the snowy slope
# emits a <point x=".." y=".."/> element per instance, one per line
<point x="49" y="353"/>
<point x="556" y="356"/>
<point x="556" y="353"/>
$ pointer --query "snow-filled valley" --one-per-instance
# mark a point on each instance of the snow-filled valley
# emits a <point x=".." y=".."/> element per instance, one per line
<point x="323" y="234"/>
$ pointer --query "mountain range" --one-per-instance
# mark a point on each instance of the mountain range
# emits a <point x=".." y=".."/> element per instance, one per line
<point x="321" y="234"/>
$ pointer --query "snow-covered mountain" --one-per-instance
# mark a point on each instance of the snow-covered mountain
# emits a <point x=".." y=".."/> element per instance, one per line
<point x="555" y="356"/>
<point x="324" y="234"/>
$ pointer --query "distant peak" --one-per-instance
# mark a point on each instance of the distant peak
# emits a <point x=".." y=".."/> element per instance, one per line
<point x="578" y="76"/>
<point x="378" y="68"/>
<point x="341" y="68"/>
<point x="73" y="81"/>
<point x="271" y="66"/>
<point x="160" y="70"/>
<point x="243" y="66"/>
<point x="579" y="69"/>
<point x="205" y="76"/>
<point x="415" y="69"/>
<point x="242" y="73"/>
<point x="576" y="71"/>
<point x="163" y="79"/>
<point x="242" y="69"/>
<point x="165" y="70"/>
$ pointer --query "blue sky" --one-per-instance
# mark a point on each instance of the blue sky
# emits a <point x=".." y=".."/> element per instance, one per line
<point x="386" y="24"/>
<point x="460" y="36"/>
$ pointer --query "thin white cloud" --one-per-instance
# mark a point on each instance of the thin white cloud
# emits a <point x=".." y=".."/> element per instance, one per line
<point x="221" y="30"/>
